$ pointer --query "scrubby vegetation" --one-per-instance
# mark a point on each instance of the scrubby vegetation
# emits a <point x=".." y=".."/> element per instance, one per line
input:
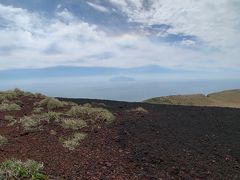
<point x="3" y="140"/>
<point x="39" y="110"/>
<point x="73" y="142"/>
<point x="52" y="116"/>
<point x="30" y="122"/>
<point x="91" y="114"/>
<point x="9" y="107"/>
<point x="74" y="124"/>
<point x="11" y="94"/>
<point x="51" y="103"/>
<point x="18" y="92"/>
<point x="7" y="95"/>
<point x="16" y="169"/>
<point x="9" y="118"/>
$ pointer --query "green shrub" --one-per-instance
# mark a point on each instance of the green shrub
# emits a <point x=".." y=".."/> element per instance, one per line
<point x="7" y="95"/>
<point x="3" y="140"/>
<point x="9" y="107"/>
<point x="72" y="143"/>
<point x="51" y="103"/>
<point x="91" y="114"/>
<point x="74" y="124"/>
<point x="52" y="116"/>
<point x="18" y="92"/>
<point x="16" y="169"/>
<point x="19" y="102"/>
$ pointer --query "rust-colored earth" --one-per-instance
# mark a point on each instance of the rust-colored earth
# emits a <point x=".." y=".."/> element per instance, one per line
<point x="168" y="142"/>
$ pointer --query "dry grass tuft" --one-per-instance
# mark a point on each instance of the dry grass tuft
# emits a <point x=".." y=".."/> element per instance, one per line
<point x="9" y="107"/>
<point x="90" y="114"/>
<point x="30" y="122"/>
<point x="72" y="143"/>
<point x="74" y="124"/>
<point x="33" y="121"/>
<point x="3" y="141"/>
<point x="51" y="103"/>
<point x="11" y="94"/>
<point x="52" y="116"/>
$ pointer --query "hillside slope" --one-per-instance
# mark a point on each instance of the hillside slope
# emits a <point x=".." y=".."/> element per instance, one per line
<point x="230" y="98"/>
<point x="93" y="139"/>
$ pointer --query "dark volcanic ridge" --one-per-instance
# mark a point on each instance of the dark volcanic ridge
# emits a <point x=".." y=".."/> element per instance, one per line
<point x="140" y="141"/>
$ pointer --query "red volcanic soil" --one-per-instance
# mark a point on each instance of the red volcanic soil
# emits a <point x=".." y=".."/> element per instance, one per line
<point x="168" y="142"/>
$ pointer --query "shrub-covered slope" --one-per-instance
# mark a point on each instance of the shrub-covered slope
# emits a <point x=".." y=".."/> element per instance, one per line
<point x="230" y="98"/>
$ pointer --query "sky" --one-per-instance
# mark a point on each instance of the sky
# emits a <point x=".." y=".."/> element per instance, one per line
<point x="111" y="43"/>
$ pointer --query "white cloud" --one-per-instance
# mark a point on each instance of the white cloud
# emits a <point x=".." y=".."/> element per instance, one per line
<point x="215" y="23"/>
<point x="31" y="40"/>
<point x="99" y="7"/>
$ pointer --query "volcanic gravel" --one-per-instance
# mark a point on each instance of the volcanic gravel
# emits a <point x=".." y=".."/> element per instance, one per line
<point x="168" y="142"/>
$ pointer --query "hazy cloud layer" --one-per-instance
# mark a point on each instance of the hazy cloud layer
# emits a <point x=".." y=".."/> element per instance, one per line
<point x="193" y="35"/>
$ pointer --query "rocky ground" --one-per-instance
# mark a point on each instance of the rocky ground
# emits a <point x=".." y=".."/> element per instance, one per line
<point x="143" y="142"/>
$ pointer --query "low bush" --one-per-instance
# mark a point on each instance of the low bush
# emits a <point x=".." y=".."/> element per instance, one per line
<point x="9" y="107"/>
<point x="3" y="140"/>
<point x="9" y="95"/>
<point x="33" y="121"/>
<point x="52" y="116"/>
<point x="18" y="92"/>
<point x="74" y="124"/>
<point x="91" y="114"/>
<point x="16" y="169"/>
<point x="72" y="143"/>
<point x="19" y="102"/>
<point x="30" y="122"/>
<point x="51" y="103"/>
